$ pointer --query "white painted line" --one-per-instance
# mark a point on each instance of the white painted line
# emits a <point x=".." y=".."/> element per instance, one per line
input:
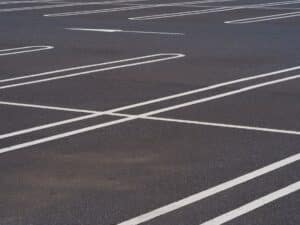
<point x="88" y="12"/>
<point x="99" y="113"/>
<point x="118" y="64"/>
<point x="66" y="5"/>
<point x="224" y="125"/>
<point x="222" y="95"/>
<point x="36" y="106"/>
<point x="154" y="100"/>
<point x="211" y="191"/>
<point x="128" y="8"/>
<point x="26" y="49"/>
<point x="48" y="125"/>
<point x="185" y="13"/>
<point x="124" y="31"/>
<point x="151" y="113"/>
<point x="28" y="2"/>
<point x="213" y="10"/>
<point x="267" y="199"/>
<point x="264" y="18"/>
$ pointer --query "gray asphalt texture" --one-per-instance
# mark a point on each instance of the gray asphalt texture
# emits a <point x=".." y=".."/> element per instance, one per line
<point x="111" y="174"/>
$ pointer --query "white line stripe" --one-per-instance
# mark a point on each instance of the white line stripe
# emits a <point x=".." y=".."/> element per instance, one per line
<point x="219" y="96"/>
<point x="129" y="8"/>
<point x="264" y="18"/>
<point x="139" y="61"/>
<point x="90" y="66"/>
<point x="66" y="5"/>
<point x="26" y="49"/>
<point x="97" y="113"/>
<point x="124" y="31"/>
<point x="154" y="100"/>
<point x="254" y="204"/>
<point x="107" y="124"/>
<point x="65" y="109"/>
<point x="28" y="1"/>
<point x="186" y="13"/>
<point x="224" y="125"/>
<point x="213" y="10"/>
<point x="211" y="191"/>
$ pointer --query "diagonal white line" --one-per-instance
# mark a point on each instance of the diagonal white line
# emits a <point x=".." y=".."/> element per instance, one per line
<point x="267" y="199"/>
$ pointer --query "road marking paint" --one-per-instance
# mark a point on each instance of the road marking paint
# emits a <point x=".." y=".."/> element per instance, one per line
<point x="124" y="31"/>
<point x="124" y="63"/>
<point x="155" y="118"/>
<point x="151" y="113"/>
<point x="264" y="18"/>
<point x="62" y="5"/>
<point x="36" y="106"/>
<point x="267" y="199"/>
<point x="152" y="101"/>
<point x="185" y="13"/>
<point x="128" y="8"/>
<point x="211" y="191"/>
<point x="26" y="49"/>
<point x="213" y="10"/>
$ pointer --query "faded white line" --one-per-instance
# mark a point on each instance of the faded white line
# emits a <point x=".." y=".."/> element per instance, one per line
<point x="28" y="2"/>
<point x="185" y="13"/>
<point x="124" y="31"/>
<point x="124" y="63"/>
<point x="260" y="202"/>
<point x="129" y="8"/>
<point x="213" y="10"/>
<point x="66" y="5"/>
<point x="26" y="49"/>
<point x="264" y="18"/>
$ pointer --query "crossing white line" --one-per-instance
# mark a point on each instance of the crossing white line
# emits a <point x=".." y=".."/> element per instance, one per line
<point x="267" y="199"/>
<point x="93" y="114"/>
<point x="264" y="18"/>
<point x="26" y="49"/>
<point x="151" y="113"/>
<point x="89" y="69"/>
<point x="123" y="31"/>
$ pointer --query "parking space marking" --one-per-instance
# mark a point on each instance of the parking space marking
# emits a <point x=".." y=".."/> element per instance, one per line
<point x="62" y="5"/>
<point x="89" y="69"/>
<point x="94" y="114"/>
<point x="211" y="191"/>
<point x="150" y="113"/>
<point x="260" y="202"/>
<point x="26" y="49"/>
<point x="124" y="31"/>
<point x="264" y="18"/>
